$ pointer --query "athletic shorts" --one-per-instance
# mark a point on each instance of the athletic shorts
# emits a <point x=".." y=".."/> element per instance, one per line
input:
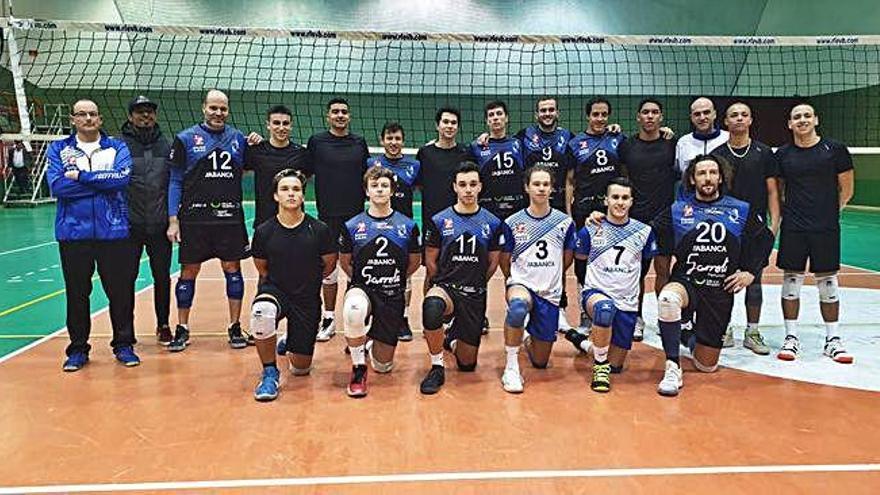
<point x="303" y="316"/>
<point x="543" y="319"/>
<point x="386" y="315"/>
<point x="202" y="242"/>
<point x="336" y="224"/>
<point x="821" y="248"/>
<point x="469" y="309"/>
<point x="711" y="308"/>
<point x="623" y="326"/>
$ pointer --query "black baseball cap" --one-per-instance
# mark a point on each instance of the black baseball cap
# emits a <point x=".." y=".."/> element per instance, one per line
<point x="141" y="100"/>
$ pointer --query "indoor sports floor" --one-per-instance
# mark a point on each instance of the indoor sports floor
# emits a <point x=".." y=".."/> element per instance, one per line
<point x="187" y="423"/>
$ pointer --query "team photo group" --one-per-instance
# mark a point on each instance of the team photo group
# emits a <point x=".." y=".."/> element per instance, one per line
<point x="704" y="209"/>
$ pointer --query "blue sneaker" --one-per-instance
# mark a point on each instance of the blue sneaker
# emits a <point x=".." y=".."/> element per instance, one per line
<point x="75" y="361"/>
<point x="281" y="348"/>
<point x="267" y="389"/>
<point x="126" y="356"/>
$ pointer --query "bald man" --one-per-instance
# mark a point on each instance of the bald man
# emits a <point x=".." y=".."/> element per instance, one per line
<point x="205" y="212"/>
<point x="705" y="138"/>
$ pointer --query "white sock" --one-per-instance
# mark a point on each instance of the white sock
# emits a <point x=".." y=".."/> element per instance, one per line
<point x="751" y="327"/>
<point x="791" y="328"/>
<point x="329" y="314"/>
<point x="512" y="352"/>
<point x="184" y="325"/>
<point x="832" y="330"/>
<point x="600" y="354"/>
<point x="358" y="355"/>
<point x="437" y="359"/>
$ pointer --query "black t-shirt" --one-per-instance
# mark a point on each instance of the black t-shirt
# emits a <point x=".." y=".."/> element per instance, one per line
<point x="650" y="166"/>
<point x="339" y="164"/>
<point x="294" y="255"/>
<point x="436" y="176"/>
<point x="811" y="196"/>
<point x="266" y="161"/>
<point x="751" y="172"/>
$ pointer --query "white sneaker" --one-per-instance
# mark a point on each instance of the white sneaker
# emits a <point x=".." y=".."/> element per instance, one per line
<point x="327" y="330"/>
<point x="835" y="350"/>
<point x="790" y="348"/>
<point x="672" y="380"/>
<point x="728" y="338"/>
<point x="512" y="381"/>
<point x="563" y="325"/>
<point x="639" y="331"/>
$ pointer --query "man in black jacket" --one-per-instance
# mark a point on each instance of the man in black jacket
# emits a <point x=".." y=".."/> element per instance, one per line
<point x="148" y="202"/>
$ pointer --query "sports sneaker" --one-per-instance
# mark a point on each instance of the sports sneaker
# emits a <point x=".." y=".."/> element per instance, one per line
<point x="404" y="334"/>
<point x="249" y="338"/>
<point x="601" y="378"/>
<point x="75" y="361"/>
<point x="267" y="389"/>
<point x="835" y="350"/>
<point x="790" y="348"/>
<point x="357" y="387"/>
<point x="449" y="342"/>
<point x="563" y="325"/>
<point x="580" y="341"/>
<point x="163" y="335"/>
<point x="754" y="341"/>
<point x="237" y="340"/>
<point x="433" y="381"/>
<point x="126" y="356"/>
<point x="327" y="330"/>
<point x="728" y="338"/>
<point x="639" y="331"/>
<point x="586" y="323"/>
<point x="671" y="382"/>
<point x="512" y="381"/>
<point x="181" y="339"/>
<point x="485" y="329"/>
<point x="281" y="346"/>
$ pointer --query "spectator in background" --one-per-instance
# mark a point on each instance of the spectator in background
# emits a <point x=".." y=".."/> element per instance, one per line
<point x="20" y="161"/>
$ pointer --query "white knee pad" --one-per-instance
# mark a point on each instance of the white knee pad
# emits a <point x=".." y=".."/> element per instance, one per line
<point x="791" y="285"/>
<point x="355" y="310"/>
<point x="333" y="278"/>
<point x="827" y="286"/>
<point x="669" y="306"/>
<point x="264" y="314"/>
<point x="704" y="368"/>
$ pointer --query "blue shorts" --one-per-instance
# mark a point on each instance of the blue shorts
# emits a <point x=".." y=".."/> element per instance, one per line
<point x="543" y="319"/>
<point x="622" y="327"/>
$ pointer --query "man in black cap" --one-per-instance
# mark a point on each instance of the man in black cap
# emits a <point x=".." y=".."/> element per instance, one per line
<point x="148" y="202"/>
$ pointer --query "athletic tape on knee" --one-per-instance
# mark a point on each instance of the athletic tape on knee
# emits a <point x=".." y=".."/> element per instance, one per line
<point x="433" y="308"/>
<point x="791" y="286"/>
<point x="234" y="285"/>
<point x="355" y="310"/>
<point x="185" y="291"/>
<point x="379" y="367"/>
<point x="264" y="315"/>
<point x="603" y="313"/>
<point x="300" y="372"/>
<point x="704" y="368"/>
<point x="827" y="286"/>
<point x="517" y="310"/>
<point x="333" y="278"/>
<point x="669" y="306"/>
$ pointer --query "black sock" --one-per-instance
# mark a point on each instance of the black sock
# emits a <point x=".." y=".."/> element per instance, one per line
<point x="670" y="333"/>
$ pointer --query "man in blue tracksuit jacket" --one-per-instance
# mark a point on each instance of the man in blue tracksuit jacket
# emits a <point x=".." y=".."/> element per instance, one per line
<point x="88" y="173"/>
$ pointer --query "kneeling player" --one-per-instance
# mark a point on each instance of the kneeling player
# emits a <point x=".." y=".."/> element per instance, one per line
<point x="538" y="248"/>
<point x="461" y="254"/>
<point x="615" y="251"/>
<point x="379" y="249"/>
<point x="719" y="245"/>
<point x="293" y="252"/>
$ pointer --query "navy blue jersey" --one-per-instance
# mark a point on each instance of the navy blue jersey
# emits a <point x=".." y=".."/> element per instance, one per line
<point x="501" y="164"/>
<point x="548" y="149"/>
<point x="595" y="161"/>
<point x="406" y="174"/>
<point x="465" y="241"/>
<point x="380" y="249"/>
<point x="205" y="182"/>
<point x="711" y="240"/>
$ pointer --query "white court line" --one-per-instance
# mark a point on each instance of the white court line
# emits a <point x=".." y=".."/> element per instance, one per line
<point x="27" y="248"/>
<point x="440" y="477"/>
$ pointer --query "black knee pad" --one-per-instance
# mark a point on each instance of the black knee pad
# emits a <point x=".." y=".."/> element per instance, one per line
<point x="467" y="368"/>
<point x="433" y="308"/>
<point x="754" y="294"/>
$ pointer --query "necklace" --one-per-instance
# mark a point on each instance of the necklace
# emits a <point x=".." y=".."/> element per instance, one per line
<point x="734" y="153"/>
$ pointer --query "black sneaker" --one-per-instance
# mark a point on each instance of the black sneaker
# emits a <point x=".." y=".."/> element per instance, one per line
<point x="576" y="338"/>
<point x="448" y="339"/>
<point x="163" y="335"/>
<point x="405" y="333"/>
<point x="485" y="330"/>
<point x="181" y="339"/>
<point x="237" y="340"/>
<point x="433" y="381"/>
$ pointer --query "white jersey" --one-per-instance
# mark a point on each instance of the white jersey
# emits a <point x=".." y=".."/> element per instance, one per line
<point x="537" y="246"/>
<point x="614" y="255"/>
<point x="688" y="147"/>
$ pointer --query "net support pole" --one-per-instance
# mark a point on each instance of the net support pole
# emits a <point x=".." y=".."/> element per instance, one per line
<point x="18" y="82"/>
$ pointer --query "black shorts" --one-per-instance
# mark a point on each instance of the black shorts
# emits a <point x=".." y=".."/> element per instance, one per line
<point x="303" y="316"/>
<point x="712" y="308"/>
<point x="386" y="315"/>
<point x="336" y="224"/>
<point x="468" y="314"/>
<point x="201" y="242"/>
<point x="821" y="248"/>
